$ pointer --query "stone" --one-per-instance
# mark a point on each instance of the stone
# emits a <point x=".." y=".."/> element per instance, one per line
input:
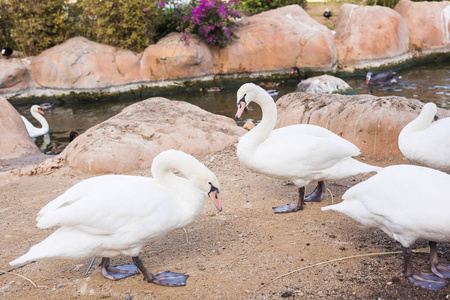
<point x="14" y="139"/>
<point x="277" y="40"/>
<point x="370" y="36"/>
<point x="371" y="123"/>
<point x="325" y="84"/>
<point x="171" y="59"/>
<point x="131" y="139"/>
<point x="79" y="63"/>
<point x="15" y="74"/>
<point x="428" y="24"/>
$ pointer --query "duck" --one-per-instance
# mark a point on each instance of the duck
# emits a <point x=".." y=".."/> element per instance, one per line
<point x="408" y="203"/>
<point x="327" y="13"/>
<point x="269" y="84"/>
<point x="7" y="52"/>
<point x="386" y="78"/>
<point x="425" y="139"/>
<point x="301" y="153"/>
<point x="273" y="93"/>
<point x="47" y="106"/>
<point x="213" y="89"/>
<point x="111" y="215"/>
<point x="56" y="149"/>
<point x="37" y="113"/>
<point x="299" y="77"/>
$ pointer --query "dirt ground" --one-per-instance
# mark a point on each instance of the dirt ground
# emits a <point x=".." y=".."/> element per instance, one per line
<point x="239" y="253"/>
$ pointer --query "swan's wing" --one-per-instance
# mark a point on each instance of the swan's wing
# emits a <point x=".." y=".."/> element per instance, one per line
<point x="386" y="76"/>
<point x="105" y="204"/>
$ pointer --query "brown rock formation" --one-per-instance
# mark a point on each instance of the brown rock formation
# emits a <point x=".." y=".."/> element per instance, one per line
<point x="14" y="139"/>
<point x="428" y="24"/>
<point x="15" y="74"/>
<point x="371" y="123"/>
<point x="171" y="59"/>
<point x="370" y="36"/>
<point x="131" y="139"/>
<point x="278" y="39"/>
<point x="82" y="64"/>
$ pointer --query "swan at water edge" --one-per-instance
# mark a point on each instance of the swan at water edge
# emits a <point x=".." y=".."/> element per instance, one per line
<point x="37" y="113"/>
<point x="301" y="153"/>
<point x="114" y="215"/>
<point x="426" y="142"/>
<point x="408" y="203"/>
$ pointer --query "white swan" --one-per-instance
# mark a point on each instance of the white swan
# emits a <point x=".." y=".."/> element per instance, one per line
<point x="408" y="203"/>
<point x="118" y="214"/>
<point x="37" y="113"/>
<point x="301" y="153"/>
<point x="427" y="142"/>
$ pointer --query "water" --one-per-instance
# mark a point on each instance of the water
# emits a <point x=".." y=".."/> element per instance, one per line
<point x="426" y="82"/>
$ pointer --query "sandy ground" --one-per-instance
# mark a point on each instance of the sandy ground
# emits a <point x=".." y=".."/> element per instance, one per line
<point x="236" y="254"/>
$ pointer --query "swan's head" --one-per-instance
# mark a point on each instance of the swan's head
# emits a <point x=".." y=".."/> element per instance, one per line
<point x="429" y="111"/>
<point x="37" y="108"/>
<point x="368" y="77"/>
<point x="246" y="94"/>
<point x="207" y="182"/>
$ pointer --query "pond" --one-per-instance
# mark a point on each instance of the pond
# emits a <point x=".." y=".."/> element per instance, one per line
<point x="429" y="82"/>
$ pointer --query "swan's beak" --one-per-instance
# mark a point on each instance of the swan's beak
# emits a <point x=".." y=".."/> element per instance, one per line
<point x="214" y="196"/>
<point x="436" y="118"/>
<point x="40" y="111"/>
<point x="241" y="107"/>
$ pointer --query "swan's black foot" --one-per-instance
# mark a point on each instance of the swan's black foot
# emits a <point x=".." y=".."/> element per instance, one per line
<point x="168" y="278"/>
<point x="116" y="272"/>
<point x="288" y="208"/>
<point x="442" y="271"/>
<point x="428" y="281"/>
<point x="317" y="194"/>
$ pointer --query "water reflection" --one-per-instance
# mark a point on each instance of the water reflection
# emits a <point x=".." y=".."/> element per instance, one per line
<point x="426" y="83"/>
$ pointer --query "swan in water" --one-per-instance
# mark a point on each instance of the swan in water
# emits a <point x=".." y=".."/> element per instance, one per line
<point x="37" y="113"/>
<point x="426" y="142"/>
<point x="301" y="153"/>
<point x="408" y="203"/>
<point x="114" y="215"/>
<point x="386" y="78"/>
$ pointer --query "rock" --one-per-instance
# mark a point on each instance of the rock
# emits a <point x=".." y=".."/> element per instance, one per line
<point x="15" y="74"/>
<point x="248" y="125"/>
<point x="131" y="139"/>
<point x="14" y="139"/>
<point x="325" y="84"/>
<point x="79" y="63"/>
<point x="370" y="36"/>
<point x="428" y="24"/>
<point x="371" y="123"/>
<point x="277" y="40"/>
<point x="170" y="59"/>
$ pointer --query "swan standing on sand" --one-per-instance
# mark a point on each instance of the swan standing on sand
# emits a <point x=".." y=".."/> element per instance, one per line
<point x="427" y="142"/>
<point x="37" y="113"/>
<point x="301" y="153"/>
<point x="118" y="214"/>
<point x="408" y="203"/>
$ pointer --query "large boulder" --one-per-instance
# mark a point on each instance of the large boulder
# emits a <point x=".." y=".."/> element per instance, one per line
<point x="131" y="139"/>
<point x="15" y="74"/>
<point x="428" y="24"/>
<point x="14" y="139"/>
<point x="79" y="63"/>
<point x="325" y="84"/>
<point x="371" y="123"/>
<point x="370" y="36"/>
<point x="171" y="59"/>
<point x="277" y="40"/>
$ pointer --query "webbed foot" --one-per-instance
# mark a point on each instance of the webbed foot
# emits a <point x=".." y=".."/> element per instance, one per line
<point x="288" y="208"/>
<point x="428" y="281"/>
<point x="168" y="278"/>
<point x="317" y="194"/>
<point x="116" y="272"/>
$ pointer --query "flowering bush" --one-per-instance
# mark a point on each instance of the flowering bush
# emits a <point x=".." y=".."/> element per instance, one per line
<point x="257" y="6"/>
<point x="211" y="20"/>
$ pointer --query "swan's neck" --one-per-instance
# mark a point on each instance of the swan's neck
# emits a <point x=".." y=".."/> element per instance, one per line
<point x="422" y="122"/>
<point x="189" y="198"/>
<point x="41" y="120"/>
<point x="262" y="131"/>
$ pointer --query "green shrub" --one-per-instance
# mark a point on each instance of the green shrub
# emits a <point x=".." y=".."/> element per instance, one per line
<point x="257" y="6"/>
